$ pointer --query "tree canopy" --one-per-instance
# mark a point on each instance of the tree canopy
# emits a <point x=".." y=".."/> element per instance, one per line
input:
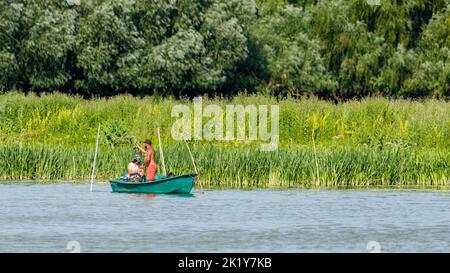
<point x="335" y="49"/>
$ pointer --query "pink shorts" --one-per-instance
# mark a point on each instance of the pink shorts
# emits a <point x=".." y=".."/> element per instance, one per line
<point x="151" y="171"/>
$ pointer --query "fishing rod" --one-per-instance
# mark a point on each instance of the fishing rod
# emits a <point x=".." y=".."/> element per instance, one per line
<point x="195" y="166"/>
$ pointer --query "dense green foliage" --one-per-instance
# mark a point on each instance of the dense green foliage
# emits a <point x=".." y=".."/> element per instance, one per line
<point x="60" y="119"/>
<point x="374" y="141"/>
<point x="330" y="48"/>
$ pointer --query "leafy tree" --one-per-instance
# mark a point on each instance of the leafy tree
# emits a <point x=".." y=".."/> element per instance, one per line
<point x="421" y="71"/>
<point x="352" y="53"/>
<point x="397" y="69"/>
<point x="431" y="76"/>
<point x="35" y="41"/>
<point x="397" y="21"/>
<point x="9" y="28"/>
<point x="107" y="47"/>
<point x="205" y="43"/>
<point x="294" y="60"/>
<point x="331" y="48"/>
<point x="269" y="7"/>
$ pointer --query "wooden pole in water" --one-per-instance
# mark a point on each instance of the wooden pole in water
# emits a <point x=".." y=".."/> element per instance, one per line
<point x="315" y="159"/>
<point x="161" y="153"/>
<point x="95" y="157"/>
<point x="195" y="167"/>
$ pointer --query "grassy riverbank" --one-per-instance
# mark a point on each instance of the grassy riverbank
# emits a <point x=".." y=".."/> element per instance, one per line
<point x="372" y="142"/>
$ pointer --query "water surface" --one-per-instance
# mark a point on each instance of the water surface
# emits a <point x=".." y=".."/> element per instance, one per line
<point x="46" y="217"/>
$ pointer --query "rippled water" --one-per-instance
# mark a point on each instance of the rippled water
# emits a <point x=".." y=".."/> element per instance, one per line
<point x="45" y="218"/>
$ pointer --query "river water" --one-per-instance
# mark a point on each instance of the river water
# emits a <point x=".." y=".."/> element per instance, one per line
<point x="67" y="217"/>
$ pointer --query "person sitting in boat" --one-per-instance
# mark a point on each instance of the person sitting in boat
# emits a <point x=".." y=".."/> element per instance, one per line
<point x="135" y="170"/>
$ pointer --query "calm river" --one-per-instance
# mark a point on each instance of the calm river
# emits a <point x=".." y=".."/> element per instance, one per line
<point x="67" y="217"/>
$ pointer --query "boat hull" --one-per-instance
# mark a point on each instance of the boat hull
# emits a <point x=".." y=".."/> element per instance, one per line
<point x="162" y="185"/>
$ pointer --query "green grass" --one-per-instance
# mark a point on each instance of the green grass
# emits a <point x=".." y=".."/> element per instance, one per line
<point x="240" y="168"/>
<point x="367" y="143"/>
<point x="62" y="119"/>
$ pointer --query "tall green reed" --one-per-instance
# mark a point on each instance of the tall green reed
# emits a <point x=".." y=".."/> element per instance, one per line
<point x="61" y="119"/>
<point x="231" y="167"/>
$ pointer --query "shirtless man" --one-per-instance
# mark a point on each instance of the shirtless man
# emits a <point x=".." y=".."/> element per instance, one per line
<point x="149" y="159"/>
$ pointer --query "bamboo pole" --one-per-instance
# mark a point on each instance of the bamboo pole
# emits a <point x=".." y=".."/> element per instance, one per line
<point x="161" y="152"/>
<point x="316" y="160"/>
<point x="95" y="157"/>
<point x="195" y="167"/>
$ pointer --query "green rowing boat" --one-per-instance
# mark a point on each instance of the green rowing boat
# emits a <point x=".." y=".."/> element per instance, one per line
<point x="161" y="185"/>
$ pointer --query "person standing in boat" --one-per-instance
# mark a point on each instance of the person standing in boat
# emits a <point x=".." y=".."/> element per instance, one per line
<point x="149" y="159"/>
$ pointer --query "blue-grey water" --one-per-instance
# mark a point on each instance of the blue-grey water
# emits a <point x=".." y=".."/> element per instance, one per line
<point x="67" y="217"/>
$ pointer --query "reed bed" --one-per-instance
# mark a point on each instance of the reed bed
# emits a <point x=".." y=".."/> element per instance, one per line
<point x="228" y="167"/>
<point x="58" y="119"/>
<point x="360" y="143"/>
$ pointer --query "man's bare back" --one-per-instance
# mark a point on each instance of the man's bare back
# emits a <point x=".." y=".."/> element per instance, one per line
<point x="149" y="156"/>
